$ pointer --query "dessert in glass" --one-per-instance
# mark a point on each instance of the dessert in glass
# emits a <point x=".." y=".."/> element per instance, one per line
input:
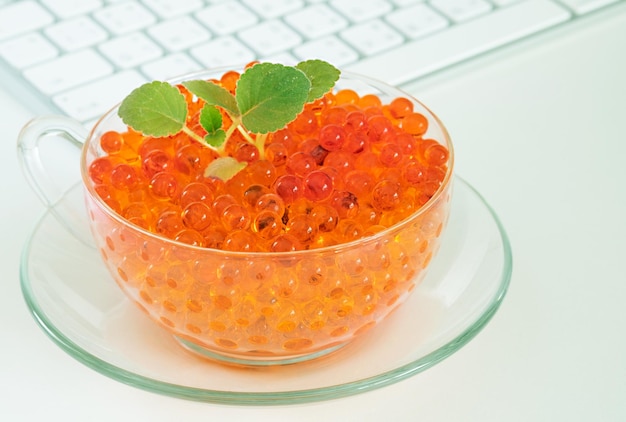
<point x="260" y="232"/>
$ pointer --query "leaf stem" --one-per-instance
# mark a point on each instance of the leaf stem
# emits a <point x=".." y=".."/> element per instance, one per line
<point x="245" y="134"/>
<point x="260" y="145"/>
<point x="233" y="126"/>
<point x="193" y="135"/>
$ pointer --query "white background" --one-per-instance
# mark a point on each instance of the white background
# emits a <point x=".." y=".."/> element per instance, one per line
<point x="542" y="135"/>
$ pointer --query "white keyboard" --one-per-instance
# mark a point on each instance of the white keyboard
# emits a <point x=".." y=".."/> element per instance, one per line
<point x="79" y="57"/>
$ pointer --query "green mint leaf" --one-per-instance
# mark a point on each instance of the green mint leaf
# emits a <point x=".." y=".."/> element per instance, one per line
<point x="216" y="139"/>
<point x="270" y="96"/>
<point x="213" y="94"/>
<point x="211" y="121"/>
<point x="154" y="109"/>
<point x="210" y="118"/>
<point x="224" y="168"/>
<point x="322" y="75"/>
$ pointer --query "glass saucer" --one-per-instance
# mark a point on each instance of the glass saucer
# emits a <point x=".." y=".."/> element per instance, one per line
<point x="76" y="302"/>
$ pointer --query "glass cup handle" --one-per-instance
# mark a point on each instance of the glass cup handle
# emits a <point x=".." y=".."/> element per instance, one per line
<point x="60" y="200"/>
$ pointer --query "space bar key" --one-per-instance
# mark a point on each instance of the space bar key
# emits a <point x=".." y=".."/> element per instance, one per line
<point x="421" y="57"/>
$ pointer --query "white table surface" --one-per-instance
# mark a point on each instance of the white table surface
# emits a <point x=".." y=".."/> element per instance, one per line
<point x="542" y="135"/>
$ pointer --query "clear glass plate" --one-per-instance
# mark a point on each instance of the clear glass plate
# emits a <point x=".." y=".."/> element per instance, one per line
<point x="76" y="302"/>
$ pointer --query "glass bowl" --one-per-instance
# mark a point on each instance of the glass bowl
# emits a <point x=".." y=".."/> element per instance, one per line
<point x="269" y="308"/>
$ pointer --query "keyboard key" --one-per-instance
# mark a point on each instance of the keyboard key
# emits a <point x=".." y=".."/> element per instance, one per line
<point x="362" y="10"/>
<point x="94" y="99"/>
<point x="179" y="34"/>
<point x="581" y="7"/>
<point x="416" y="21"/>
<point x="316" y="21"/>
<point x="168" y="9"/>
<point x="71" y="8"/>
<point x="330" y="49"/>
<point x="273" y="8"/>
<point x="76" y="33"/>
<point x="68" y="71"/>
<point x="270" y="37"/>
<point x="130" y="50"/>
<point x="125" y="17"/>
<point x="13" y="21"/>
<point x="226" y="18"/>
<point x="224" y="51"/>
<point x="403" y="3"/>
<point x="462" y="10"/>
<point x="463" y="41"/>
<point x="504" y="2"/>
<point x="372" y="37"/>
<point x="170" y="66"/>
<point x="27" y="50"/>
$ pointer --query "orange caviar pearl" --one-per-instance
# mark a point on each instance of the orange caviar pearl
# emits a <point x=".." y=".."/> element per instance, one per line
<point x="235" y="217"/>
<point x="190" y="237"/>
<point x="276" y="153"/>
<point x="346" y="96"/>
<point x="111" y="142"/>
<point x="325" y="216"/>
<point x="285" y="243"/>
<point x="318" y="186"/>
<point x="302" y="227"/>
<point x="221" y="202"/>
<point x="369" y="100"/>
<point x="195" y="192"/>
<point x="334" y="115"/>
<point x="332" y="137"/>
<point x="192" y="159"/>
<point x="289" y="187"/>
<point x="305" y="123"/>
<point x="197" y="216"/>
<point x="415" y="124"/>
<point x="239" y="241"/>
<point x="155" y="162"/>
<point x="360" y="182"/>
<point x="268" y="224"/>
<point x="356" y="121"/>
<point x="164" y="185"/>
<point x="386" y="195"/>
<point x="400" y="107"/>
<point x="124" y="177"/>
<point x="378" y="128"/>
<point x="435" y="153"/>
<point x="342" y="161"/>
<point x="262" y="172"/>
<point x="169" y="223"/>
<point x="100" y="169"/>
<point x="270" y="202"/>
<point x="229" y="80"/>
<point x="390" y="154"/>
<point x="300" y="163"/>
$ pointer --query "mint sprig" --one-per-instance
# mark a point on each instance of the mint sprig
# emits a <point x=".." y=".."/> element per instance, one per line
<point x="268" y="96"/>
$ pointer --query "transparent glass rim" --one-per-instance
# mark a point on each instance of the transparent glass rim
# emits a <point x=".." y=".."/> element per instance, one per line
<point x="438" y="195"/>
<point x="281" y="397"/>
